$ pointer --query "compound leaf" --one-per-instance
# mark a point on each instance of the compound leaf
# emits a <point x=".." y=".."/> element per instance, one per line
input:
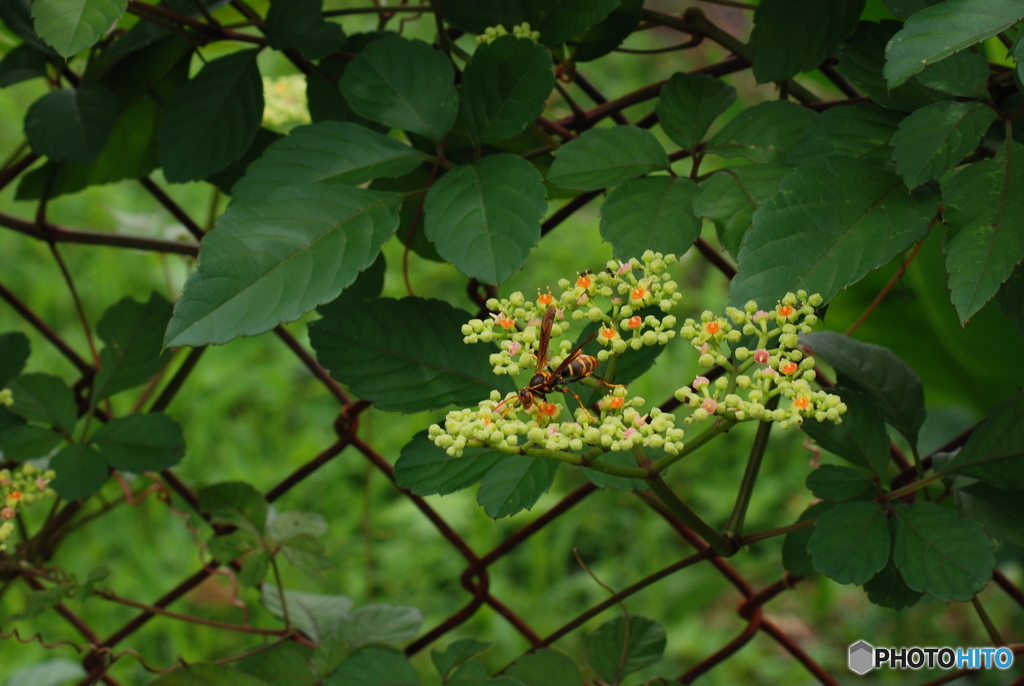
<point x="70" y="26"/>
<point x="836" y="482"/>
<point x="762" y="133"/>
<point x="426" y="469"/>
<point x="827" y="227"/>
<point x="650" y="213"/>
<point x="236" y="503"/>
<point x="937" y="32"/>
<point x="80" y="470"/>
<point x="891" y="386"/>
<point x="546" y="668"/>
<point x="690" y="104"/>
<point x="404" y="84"/>
<point x="72" y="125"/>
<point x="327" y="152"/>
<point x="792" y="36"/>
<point x="888" y="589"/>
<point x="374" y="666"/>
<point x="730" y="196"/>
<point x="212" y="119"/>
<point x="504" y="88"/>
<point x="485" y="218"/>
<point x="996" y="509"/>
<point x="851" y="542"/>
<point x="934" y="139"/>
<point x="984" y="243"/>
<point x="141" y="442"/>
<point x="133" y="332"/>
<point x="861" y="437"/>
<point x="299" y="24"/>
<point x="271" y="261"/>
<point x="995" y="451"/>
<point x="514" y="484"/>
<point x="940" y="552"/>
<point x="45" y="399"/>
<point x="405" y="355"/>
<point x="607" y="157"/>
<point x="625" y="645"/>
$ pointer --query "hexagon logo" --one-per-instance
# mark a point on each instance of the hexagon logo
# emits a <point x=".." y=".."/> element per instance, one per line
<point x="862" y="657"/>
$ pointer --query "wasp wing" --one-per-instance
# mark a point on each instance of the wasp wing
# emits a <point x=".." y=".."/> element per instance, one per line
<point x="545" y="337"/>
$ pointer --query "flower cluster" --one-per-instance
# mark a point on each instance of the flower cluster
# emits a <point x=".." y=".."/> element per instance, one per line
<point x="6" y="397"/>
<point x="492" y="33"/>
<point x="620" y="426"/>
<point x="775" y="367"/>
<point x="622" y="299"/>
<point x="22" y="487"/>
<point x="285" y="102"/>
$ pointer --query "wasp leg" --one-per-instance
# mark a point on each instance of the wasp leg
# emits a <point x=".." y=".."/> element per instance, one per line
<point x="564" y="389"/>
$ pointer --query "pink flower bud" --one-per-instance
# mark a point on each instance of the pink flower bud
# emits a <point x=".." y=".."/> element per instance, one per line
<point x="709" y="405"/>
<point x="700" y="382"/>
<point x="7" y="513"/>
<point x="761" y="356"/>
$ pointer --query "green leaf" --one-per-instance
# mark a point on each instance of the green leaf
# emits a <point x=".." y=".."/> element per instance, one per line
<point x="45" y="399"/>
<point x="374" y="666"/>
<point x="307" y="553"/>
<point x="485" y="218"/>
<point x="904" y="8"/>
<point x="861" y="59"/>
<point x="793" y="36"/>
<point x="475" y="16"/>
<point x="941" y="553"/>
<point x="16" y="16"/>
<point x="329" y="152"/>
<point x="330" y="653"/>
<point x="559" y="20"/>
<point x="996" y="509"/>
<point x="1010" y="299"/>
<point x="827" y="227"/>
<point x="625" y="645"/>
<point x="964" y="74"/>
<point x="271" y="261"/>
<point x="504" y="88"/>
<point x="860" y="130"/>
<point x="141" y="442"/>
<point x="299" y="25"/>
<point x="254" y="569"/>
<point x="937" y="32"/>
<point x="70" y="26"/>
<point x="851" y="542"/>
<point x="889" y="383"/>
<point x="795" y="557"/>
<point x="934" y="139"/>
<point x="72" y="124"/>
<point x="861" y="437"/>
<point x="211" y="120"/>
<point x="287" y="525"/>
<point x="607" y="157"/>
<point x="283" y="664"/>
<point x="404" y="84"/>
<point x="236" y="503"/>
<point x="762" y="133"/>
<point x="455" y="654"/>
<point x="426" y="469"/>
<point x="730" y="196"/>
<point x="21" y="63"/>
<point x="835" y="482"/>
<point x="206" y="674"/>
<point x="983" y="211"/>
<point x="405" y="355"/>
<point x="515" y="484"/>
<point x="80" y="470"/>
<point x="995" y="451"/>
<point x="546" y="667"/>
<point x="608" y="34"/>
<point x="233" y="545"/>
<point x="379" y="624"/>
<point x="888" y="589"/>
<point x="27" y="442"/>
<point x="689" y="104"/>
<point x="53" y="672"/>
<point x="651" y="213"/>
<point x="14" y="352"/>
<point x="133" y="332"/>
<point x="315" y="614"/>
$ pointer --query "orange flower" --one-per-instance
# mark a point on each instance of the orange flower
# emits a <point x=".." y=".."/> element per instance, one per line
<point x="609" y="333"/>
<point x="801" y="402"/>
<point x="785" y="310"/>
<point x="547" y="409"/>
<point x="634" y="322"/>
<point x="638" y="293"/>
<point x="616" y="402"/>
<point x="712" y="327"/>
<point x="584" y="281"/>
<point x="506" y="323"/>
<point x="544" y="299"/>
<point x="789" y="368"/>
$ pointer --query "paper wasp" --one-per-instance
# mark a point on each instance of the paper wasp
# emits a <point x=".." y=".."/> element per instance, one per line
<point x="574" y="367"/>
